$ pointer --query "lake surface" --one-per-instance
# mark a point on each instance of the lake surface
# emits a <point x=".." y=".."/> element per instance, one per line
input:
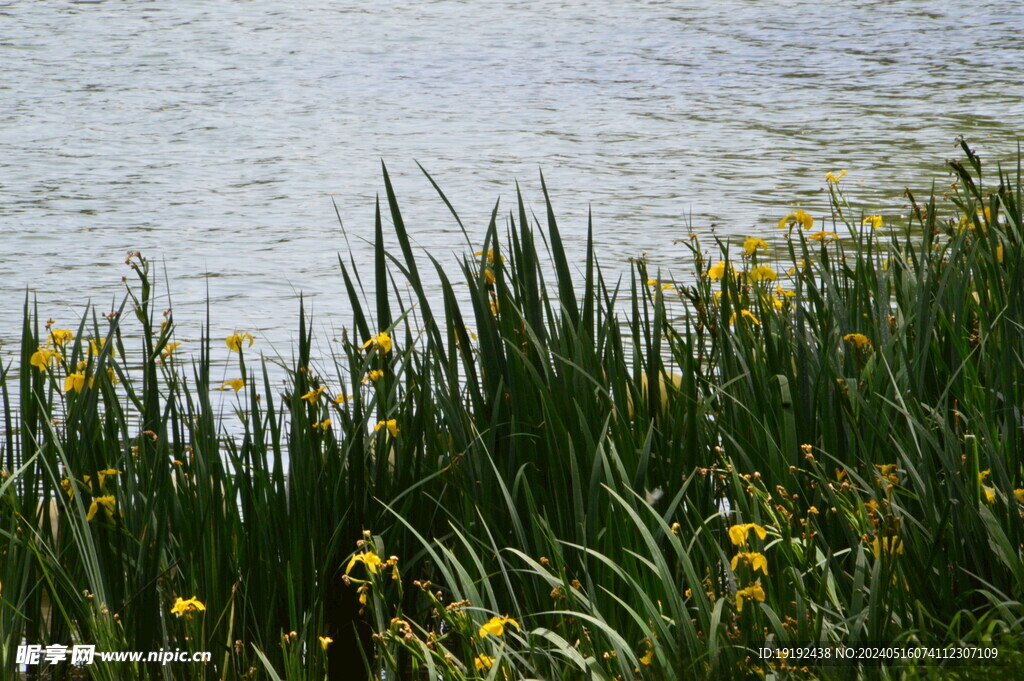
<point x="213" y="136"/>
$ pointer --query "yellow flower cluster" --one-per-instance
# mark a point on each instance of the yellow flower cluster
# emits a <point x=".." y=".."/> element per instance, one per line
<point x="739" y="536"/>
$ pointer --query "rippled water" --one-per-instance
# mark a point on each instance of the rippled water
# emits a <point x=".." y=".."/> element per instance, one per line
<point x="212" y="136"/>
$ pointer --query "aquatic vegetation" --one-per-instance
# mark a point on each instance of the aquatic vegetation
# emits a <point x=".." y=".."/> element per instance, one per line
<point x="640" y="479"/>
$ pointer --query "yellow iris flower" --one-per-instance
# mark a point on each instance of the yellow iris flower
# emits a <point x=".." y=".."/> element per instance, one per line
<point x="102" y="476"/>
<point x="798" y="218"/>
<point x="323" y="425"/>
<point x="111" y="374"/>
<point x="313" y="395"/>
<point x="859" y="340"/>
<point x="483" y="662"/>
<point x="824" y="236"/>
<point x="370" y="559"/>
<point x="61" y="336"/>
<point x="757" y="561"/>
<point x="496" y="626"/>
<point x="169" y="349"/>
<point x="235" y="384"/>
<point x="74" y="382"/>
<point x="374" y="376"/>
<point x="744" y="314"/>
<point x="183" y="607"/>
<point x="105" y="504"/>
<point x="761" y="273"/>
<point x="752" y="244"/>
<point x="890" y="545"/>
<point x="42" y="357"/>
<point x="325" y="641"/>
<point x="390" y="424"/>
<point x="382" y="340"/>
<point x="754" y="592"/>
<point x="490" y="256"/>
<point x="718" y="271"/>
<point x="738" y="533"/>
<point x="234" y="341"/>
<point x="833" y="177"/>
<point x="889" y="472"/>
<point x="874" y="220"/>
<point x="95" y="347"/>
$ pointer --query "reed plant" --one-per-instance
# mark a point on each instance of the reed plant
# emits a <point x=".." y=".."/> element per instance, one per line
<point x="536" y="472"/>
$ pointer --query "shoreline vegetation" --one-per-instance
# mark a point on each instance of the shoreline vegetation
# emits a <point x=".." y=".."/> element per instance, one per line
<point x="557" y="480"/>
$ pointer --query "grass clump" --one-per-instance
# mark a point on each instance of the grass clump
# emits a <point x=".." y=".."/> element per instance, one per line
<point x="817" y="440"/>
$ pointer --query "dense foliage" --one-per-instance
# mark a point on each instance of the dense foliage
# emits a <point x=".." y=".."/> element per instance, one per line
<point x="817" y="436"/>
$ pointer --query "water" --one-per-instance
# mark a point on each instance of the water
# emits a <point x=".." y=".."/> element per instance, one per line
<point x="213" y="136"/>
